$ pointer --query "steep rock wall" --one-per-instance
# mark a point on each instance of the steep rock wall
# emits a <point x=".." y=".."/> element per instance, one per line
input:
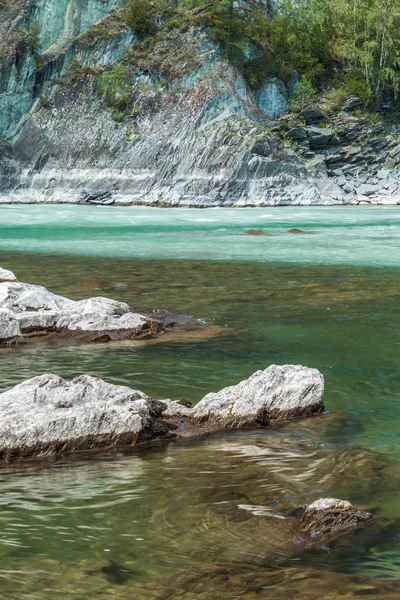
<point x="190" y="131"/>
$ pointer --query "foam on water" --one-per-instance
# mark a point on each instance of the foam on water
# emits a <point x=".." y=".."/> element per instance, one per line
<point x="368" y="236"/>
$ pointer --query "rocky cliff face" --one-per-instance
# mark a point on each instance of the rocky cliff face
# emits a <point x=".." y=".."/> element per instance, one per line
<point x="89" y="113"/>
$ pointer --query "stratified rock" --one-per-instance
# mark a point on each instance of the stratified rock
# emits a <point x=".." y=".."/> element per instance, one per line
<point x="312" y="114"/>
<point x="105" y="316"/>
<point x="367" y="189"/>
<point x="6" y="275"/>
<point x="320" y="137"/>
<point x="297" y="133"/>
<point x="278" y="393"/>
<point x="351" y="104"/>
<point x="47" y="414"/>
<point x="20" y="297"/>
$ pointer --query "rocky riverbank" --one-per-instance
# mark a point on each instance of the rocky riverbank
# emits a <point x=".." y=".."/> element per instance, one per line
<point x="191" y="132"/>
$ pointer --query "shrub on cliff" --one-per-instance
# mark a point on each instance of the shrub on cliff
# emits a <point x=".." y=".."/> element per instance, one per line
<point x="141" y="16"/>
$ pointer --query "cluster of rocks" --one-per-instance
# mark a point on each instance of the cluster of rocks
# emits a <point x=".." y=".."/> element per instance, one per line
<point x="362" y="161"/>
<point x="31" y="312"/>
<point x="47" y="415"/>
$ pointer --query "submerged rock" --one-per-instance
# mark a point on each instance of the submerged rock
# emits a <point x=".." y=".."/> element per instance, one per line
<point x="47" y="414"/>
<point x="255" y="232"/>
<point x="295" y="231"/>
<point x="328" y="518"/>
<point x="251" y="553"/>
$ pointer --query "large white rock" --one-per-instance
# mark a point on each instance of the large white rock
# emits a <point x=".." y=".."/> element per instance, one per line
<point x="36" y="310"/>
<point x="279" y="392"/>
<point x="10" y="331"/>
<point x="48" y="414"/>
<point x="6" y="275"/>
<point x="20" y="297"/>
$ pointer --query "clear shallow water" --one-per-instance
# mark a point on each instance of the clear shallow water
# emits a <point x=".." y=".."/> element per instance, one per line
<point x="336" y="235"/>
<point x="113" y="524"/>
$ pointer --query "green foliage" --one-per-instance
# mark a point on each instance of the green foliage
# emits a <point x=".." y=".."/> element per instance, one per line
<point x="35" y="32"/>
<point x="353" y="44"/>
<point x="45" y="100"/>
<point x="141" y="16"/>
<point x="370" y="46"/>
<point x="304" y="94"/>
<point x="115" y="87"/>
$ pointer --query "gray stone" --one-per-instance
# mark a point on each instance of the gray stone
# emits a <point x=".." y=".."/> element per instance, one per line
<point x="342" y="181"/>
<point x="383" y="174"/>
<point x="319" y="137"/>
<point x="297" y="133"/>
<point x="47" y="414"/>
<point x="36" y="310"/>
<point x="10" y="331"/>
<point x="317" y="166"/>
<point x="353" y="152"/>
<point x="348" y="187"/>
<point x="279" y="392"/>
<point x="362" y="178"/>
<point x="394" y="152"/>
<point x="271" y="98"/>
<point x="333" y="159"/>
<point x="312" y="114"/>
<point x="6" y="275"/>
<point x="351" y="104"/>
<point x="367" y="189"/>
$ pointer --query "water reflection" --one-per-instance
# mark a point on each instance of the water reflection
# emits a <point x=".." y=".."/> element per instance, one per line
<point x="93" y="526"/>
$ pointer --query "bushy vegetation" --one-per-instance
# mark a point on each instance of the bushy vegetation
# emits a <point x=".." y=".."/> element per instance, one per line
<point x="353" y="44"/>
<point x="141" y="16"/>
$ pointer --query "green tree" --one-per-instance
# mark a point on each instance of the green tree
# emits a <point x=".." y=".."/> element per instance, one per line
<point x="141" y="16"/>
<point x="304" y="94"/>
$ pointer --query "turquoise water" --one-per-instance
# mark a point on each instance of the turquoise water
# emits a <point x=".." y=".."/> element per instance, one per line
<point x="117" y="523"/>
<point x="346" y="235"/>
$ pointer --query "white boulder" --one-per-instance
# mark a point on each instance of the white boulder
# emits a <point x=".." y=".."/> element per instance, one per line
<point x="278" y="393"/>
<point x="6" y="275"/>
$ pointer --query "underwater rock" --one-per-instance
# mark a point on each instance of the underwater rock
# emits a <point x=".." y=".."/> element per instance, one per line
<point x="255" y="232"/>
<point x="295" y="231"/>
<point x="276" y="394"/>
<point x="47" y="414"/>
<point x="239" y="570"/>
<point x="328" y="518"/>
<point x="6" y="275"/>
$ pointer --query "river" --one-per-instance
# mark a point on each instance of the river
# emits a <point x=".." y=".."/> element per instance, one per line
<point x="108" y="525"/>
